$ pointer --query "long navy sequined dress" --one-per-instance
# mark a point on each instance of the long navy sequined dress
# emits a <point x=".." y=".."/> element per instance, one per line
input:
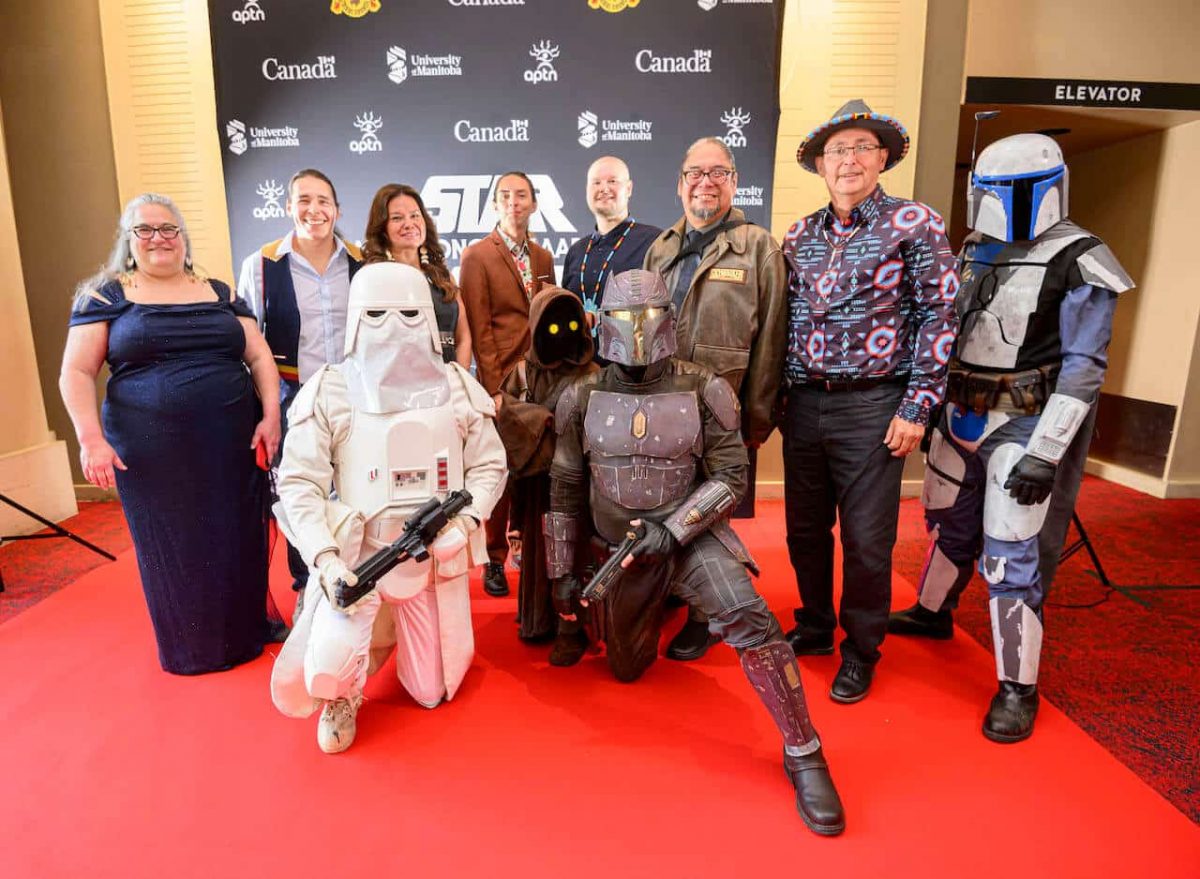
<point x="180" y="411"/>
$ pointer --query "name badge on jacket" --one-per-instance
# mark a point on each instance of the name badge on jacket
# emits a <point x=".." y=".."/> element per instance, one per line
<point x="736" y="276"/>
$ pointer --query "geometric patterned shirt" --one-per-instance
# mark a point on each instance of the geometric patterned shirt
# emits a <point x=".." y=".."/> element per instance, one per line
<point x="873" y="297"/>
<point x="520" y="255"/>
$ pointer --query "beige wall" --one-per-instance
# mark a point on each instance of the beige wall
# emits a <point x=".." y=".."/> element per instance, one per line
<point x="1140" y="197"/>
<point x="60" y="156"/>
<point x="33" y="466"/>
<point x="1085" y="39"/>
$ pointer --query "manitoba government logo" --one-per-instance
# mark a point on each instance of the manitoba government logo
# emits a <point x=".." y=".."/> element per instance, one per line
<point x="353" y="8"/>
<point x="734" y="119"/>
<point x="544" y="53"/>
<point x="270" y="209"/>
<point x="250" y="11"/>
<point x="368" y="123"/>
<point x="613" y="5"/>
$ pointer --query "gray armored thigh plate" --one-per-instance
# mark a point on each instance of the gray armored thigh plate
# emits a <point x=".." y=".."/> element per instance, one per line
<point x="642" y="449"/>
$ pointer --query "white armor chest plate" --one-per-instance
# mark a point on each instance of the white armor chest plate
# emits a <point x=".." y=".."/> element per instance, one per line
<point x="1001" y="284"/>
<point x="392" y="463"/>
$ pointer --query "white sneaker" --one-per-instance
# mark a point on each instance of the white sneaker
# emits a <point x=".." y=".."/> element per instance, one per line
<point x="337" y="726"/>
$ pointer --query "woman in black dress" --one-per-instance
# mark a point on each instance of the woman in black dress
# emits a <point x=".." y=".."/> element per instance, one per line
<point x="182" y="425"/>
<point x="399" y="229"/>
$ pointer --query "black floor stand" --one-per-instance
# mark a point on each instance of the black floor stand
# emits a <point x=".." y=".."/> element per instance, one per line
<point x="1084" y="542"/>
<point x="58" y="530"/>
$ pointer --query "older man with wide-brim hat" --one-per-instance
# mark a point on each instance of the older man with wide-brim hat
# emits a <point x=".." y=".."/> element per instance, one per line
<point x="871" y="323"/>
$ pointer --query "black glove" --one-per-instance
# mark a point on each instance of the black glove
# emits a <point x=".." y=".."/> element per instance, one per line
<point x="1031" y="481"/>
<point x="567" y="590"/>
<point x="658" y="545"/>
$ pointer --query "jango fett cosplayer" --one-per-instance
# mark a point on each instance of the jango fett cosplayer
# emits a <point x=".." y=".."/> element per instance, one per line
<point x="389" y="428"/>
<point x="657" y="439"/>
<point x="1005" y="461"/>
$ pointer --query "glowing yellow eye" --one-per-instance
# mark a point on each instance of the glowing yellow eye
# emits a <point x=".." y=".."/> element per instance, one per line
<point x="574" y="325"/>
<point x="553" y="328"/>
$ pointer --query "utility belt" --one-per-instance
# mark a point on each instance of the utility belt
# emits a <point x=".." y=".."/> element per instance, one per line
<point x="1027" y="390"/>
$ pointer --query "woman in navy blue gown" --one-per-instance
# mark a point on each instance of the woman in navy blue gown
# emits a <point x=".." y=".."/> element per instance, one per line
<point x="181" y="426"/>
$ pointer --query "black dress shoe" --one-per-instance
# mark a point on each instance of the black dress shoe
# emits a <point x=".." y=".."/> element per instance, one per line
<point x="922" y="622"/>
<point x="852" y="682"/>
<point x="1014" y="708"/>
<point x="806" y="642"/>
<point x="495" y="583"/>
<point x="692" y="642"/>
<point x="817" y="799"/>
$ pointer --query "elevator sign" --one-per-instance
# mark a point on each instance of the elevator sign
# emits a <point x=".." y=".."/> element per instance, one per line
<point x="1083" y="93"/>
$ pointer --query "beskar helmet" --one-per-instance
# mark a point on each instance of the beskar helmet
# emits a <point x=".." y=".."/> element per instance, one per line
<point x="393" y="351"/>
<point x="1018" y="188"/>
<point x="637" y="319"/>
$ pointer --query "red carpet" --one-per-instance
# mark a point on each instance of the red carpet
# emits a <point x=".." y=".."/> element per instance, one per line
<point x="112" y="768"/>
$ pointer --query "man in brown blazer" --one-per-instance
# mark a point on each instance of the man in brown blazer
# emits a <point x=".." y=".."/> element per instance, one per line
<point x="499" y="275"/>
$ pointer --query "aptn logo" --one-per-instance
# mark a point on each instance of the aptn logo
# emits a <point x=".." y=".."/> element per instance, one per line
<point x="587" y="129"/>
<point x="544" y="53"/>
<point x="369" y="124"/>
<point x="270" y="192"/>
<point x="236" y="132"/>
<point x="249" y="12"/>
<point x="735" y="120"/>
<point x="516" y="131"/>
<point x="700" y="61"/>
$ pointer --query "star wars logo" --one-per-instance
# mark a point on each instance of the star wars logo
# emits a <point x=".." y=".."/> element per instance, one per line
<point x="735" y="120"/>
<point x="368" y="123"/>
<point x="544" y="53"/>
<point x="461" y="205"/>
<point x="251" y="11"/>
<point x="270" y="192"/>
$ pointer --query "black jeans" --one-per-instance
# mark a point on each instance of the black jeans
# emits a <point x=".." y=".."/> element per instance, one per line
<point x="296" y="566"/>
<point x="837" y="467"/>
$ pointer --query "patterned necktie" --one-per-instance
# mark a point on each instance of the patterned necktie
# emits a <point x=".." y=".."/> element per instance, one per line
<point x="687" y="269"/>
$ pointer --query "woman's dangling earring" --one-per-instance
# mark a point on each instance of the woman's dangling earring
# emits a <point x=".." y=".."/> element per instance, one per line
<point x="130" y="263"/>
<point x="424" y="255"/>
<point x="187" y="264"/>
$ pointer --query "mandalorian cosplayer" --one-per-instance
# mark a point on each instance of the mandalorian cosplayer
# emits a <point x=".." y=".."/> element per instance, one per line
<point x="656" y="440"/>
<point x="1007" y="455"/>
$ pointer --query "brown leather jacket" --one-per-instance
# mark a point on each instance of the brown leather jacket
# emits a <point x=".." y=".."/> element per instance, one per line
<point x="734" y="317"/>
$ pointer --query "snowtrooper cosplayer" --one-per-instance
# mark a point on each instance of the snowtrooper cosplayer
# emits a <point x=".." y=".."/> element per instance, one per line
<point x="1005" y="460"/>
<point x="388" y="429"/>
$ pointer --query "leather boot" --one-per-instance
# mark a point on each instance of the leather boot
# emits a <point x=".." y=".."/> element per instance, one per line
<point x="495" y="583"/>
<point x="569" y="647"/>
<point x="817" y="799"/>
<point x="692" y="642"/>
<point x="772" y="671"/>
<point x="1014" y="708"/>
<point x="922" y="622"/>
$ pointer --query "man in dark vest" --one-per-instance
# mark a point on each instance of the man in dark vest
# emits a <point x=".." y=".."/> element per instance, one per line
<point x="298" y="287"/>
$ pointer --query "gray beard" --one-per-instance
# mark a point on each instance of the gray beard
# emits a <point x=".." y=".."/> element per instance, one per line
<point x="705" y="214"/>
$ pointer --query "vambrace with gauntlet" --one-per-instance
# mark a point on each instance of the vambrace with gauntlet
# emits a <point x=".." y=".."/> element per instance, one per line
<point x="706" y="505"/>
<point x="561" y="531"/>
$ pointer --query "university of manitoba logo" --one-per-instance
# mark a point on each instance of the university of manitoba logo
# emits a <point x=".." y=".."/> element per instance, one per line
<point x="613" y="5"/>
<point x="368" y="123"/>
<point x="544" y="53"/>
<point x="250" y="11"/>
<point x="353" y="8"/>
<point x="270" y="209"/>
<point x="587" y="129"/>
<point x="236" y="132"/>
<point x="397" y="61"/>
<point x="734" y="119"/>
